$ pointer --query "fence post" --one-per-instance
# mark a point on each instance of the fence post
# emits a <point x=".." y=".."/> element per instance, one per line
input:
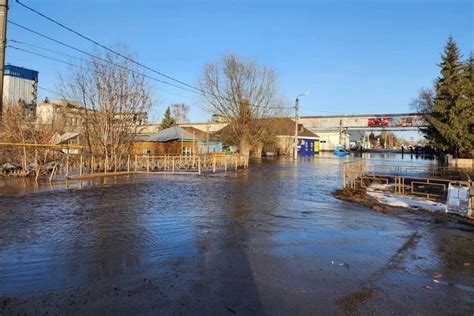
<point x="172" y="164"/>
<point x="81" y="165"/>
<point x="214" y="164"/>
<point x="199" y="165"/>
<point x="67" y="165"/>
<point x="344" y="175"/>
<point x="225" y="163"/>
<point x="147" y="163"/>
<point x="115" y="163"/>
<point x="128" y="163"/>
<point x="106" y="163"/>
<point x="92" y="164"/>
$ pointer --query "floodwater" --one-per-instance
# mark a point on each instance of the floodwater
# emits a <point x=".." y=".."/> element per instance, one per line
<point x="270" y="239"/>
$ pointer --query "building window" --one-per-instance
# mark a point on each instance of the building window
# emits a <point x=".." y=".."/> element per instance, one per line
<point x="187" y="151"/>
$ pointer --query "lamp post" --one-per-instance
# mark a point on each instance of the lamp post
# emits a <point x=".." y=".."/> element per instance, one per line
<point x="297" y="104"/>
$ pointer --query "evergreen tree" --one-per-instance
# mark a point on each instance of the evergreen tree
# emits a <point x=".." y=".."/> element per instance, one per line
<point x="167" y="121"/>
<point x="451" y="112"/>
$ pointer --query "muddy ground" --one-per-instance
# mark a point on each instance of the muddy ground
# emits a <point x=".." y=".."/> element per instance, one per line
<point x="271" y="242"/>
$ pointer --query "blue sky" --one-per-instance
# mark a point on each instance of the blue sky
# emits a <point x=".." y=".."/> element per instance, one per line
<point x="354" y="56"/>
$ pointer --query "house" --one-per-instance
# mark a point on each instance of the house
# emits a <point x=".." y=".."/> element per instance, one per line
<point x="207" y="142"/>
<point x="62" y="114"/>
<point x="280" y="137"/>
<point x="174" y="141"/>
<point x="69" y="115"/>
<point x="308" y="142"/>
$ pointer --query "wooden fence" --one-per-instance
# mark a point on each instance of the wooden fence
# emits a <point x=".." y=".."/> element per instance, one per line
<point x="56" y="161"/>
<point x="78" y="166"/>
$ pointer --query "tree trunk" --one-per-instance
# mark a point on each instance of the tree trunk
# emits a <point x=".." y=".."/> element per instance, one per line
<point x="244" y="147"/>
<point x="257" y="152"/>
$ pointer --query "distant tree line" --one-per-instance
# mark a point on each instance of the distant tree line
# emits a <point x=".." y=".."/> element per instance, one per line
<point x="448" y="107"/>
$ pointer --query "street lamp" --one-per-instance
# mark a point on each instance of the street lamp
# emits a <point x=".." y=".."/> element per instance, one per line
<point x="297" y="101"/>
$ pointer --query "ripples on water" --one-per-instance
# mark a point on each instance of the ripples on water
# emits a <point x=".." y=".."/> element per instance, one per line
<point x="54" y="237"/>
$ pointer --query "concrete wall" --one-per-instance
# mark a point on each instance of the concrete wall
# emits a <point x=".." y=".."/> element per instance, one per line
<point x="213" y="127"/>
<point x="329" y="140"/>
<point x="461" y="163"/>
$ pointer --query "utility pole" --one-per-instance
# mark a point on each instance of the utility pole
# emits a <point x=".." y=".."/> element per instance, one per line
<point x="193" y="142"/>
<point x="295" y="149"/>
<point x="297" y="106"/>
<point x="182" y="143"/>
<point x="207" y="137"/>
<point x="3" y="45"/>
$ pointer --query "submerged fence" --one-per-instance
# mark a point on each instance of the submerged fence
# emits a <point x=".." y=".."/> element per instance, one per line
<point x="66" y="161"/>
<point x="88" y="165"/>
<point x="431" y="182"/>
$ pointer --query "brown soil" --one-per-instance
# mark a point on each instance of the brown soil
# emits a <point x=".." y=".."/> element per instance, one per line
<point x="360" y="196"/>
<point x="350" y="303"/>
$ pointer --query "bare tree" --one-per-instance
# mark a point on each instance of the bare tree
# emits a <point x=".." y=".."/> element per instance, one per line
<point x="115" y="97"/>
<point x="424" y="102"/>
<point x="24" y="132"/>
<point x="243" y="92"/>
<point x="180" y="113"/>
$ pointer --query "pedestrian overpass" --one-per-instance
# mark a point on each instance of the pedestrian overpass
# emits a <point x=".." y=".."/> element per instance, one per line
<point x="365" y="122"/>
<point x="349" y="130"/>
<point x="345" y="129"/>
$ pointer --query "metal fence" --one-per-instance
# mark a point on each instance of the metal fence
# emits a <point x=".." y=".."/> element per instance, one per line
<point x="431" y="182"/>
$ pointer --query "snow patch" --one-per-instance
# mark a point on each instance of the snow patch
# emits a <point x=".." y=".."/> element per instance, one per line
<point x="403" y="201"/>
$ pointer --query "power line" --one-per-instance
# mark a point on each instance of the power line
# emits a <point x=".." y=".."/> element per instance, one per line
<point x="107" y="48"/>
<point x="84" y="60"/>
<point x="43" y="56"/>
<point x="203" y="92"/>
<point x="93" y="56"/>
<point x="50" y="91"/>
<point x="78" y="66"/>
<point x="43" y="48"/>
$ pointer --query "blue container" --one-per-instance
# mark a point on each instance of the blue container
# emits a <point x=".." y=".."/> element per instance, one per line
<point x="305" y="147"/>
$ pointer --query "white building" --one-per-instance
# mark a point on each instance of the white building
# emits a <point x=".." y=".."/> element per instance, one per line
<point x="20" y="83"/>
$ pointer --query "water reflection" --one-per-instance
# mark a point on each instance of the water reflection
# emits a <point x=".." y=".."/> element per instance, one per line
<point x="103" y="228"/>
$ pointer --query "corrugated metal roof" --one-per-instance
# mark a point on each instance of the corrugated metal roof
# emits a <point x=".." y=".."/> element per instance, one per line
<point x="172" y="133"/>
<point x="58" y="139"/>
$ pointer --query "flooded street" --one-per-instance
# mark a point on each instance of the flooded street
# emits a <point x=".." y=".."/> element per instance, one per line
<point x="268" y="240"/>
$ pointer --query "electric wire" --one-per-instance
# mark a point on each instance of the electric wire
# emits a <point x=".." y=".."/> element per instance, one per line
<point x="92" y="55"/>
<point x="203" y="92"/>
<point x="107" y="48"/>
<point x="80" y="66"/>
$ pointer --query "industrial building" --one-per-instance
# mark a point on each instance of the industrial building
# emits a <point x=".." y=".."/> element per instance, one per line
<point x="20" y="85"/>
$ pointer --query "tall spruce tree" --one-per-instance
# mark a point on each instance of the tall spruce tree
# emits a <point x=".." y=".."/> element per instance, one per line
<point x="167" y="121"/>
<point x="451" y="113"/>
